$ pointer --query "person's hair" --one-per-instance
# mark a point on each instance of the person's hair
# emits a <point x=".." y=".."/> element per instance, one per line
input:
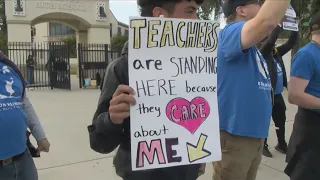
<point x="232" y="17"/>
<point x="146" y="6"/>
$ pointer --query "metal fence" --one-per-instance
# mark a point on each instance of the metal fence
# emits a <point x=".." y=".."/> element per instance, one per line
<point x="47" y="64"/>
<point x="42" y="64"/>
<point x="93" y="60"/>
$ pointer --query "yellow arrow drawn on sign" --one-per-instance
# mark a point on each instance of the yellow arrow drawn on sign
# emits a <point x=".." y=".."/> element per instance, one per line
<point x="198" y="152"/>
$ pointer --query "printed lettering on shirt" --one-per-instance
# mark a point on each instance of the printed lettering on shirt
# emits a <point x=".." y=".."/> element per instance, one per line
<point x="264" y="73"/>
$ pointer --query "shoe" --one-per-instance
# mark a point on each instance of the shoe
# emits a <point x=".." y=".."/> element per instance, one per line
<point x="282" y="147"/>
<point x="266" y="151"/>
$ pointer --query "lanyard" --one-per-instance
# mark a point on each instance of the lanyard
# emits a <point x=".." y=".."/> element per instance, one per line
<point x="265" y="71"/>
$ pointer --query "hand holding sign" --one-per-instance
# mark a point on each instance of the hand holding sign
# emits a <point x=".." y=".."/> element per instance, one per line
<point x="173" y="70"/>
<point x="120" y="104"/>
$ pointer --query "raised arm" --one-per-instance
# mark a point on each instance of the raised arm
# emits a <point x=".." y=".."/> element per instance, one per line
<point x="256" y="29"/>
<point x="286" y="47"/>
<point x="268" y="45"/>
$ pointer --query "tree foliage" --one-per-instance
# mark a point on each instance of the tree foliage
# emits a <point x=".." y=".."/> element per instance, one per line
<point x="3" y="28"/>
<point x="209" y="7"/>
<point x="305" y="9"/>
<point x="118" y="42"/>
<point x="72" y="42"/>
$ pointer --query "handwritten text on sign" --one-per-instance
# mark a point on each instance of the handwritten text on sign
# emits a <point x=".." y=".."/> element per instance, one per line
<point x="172" y="67"/>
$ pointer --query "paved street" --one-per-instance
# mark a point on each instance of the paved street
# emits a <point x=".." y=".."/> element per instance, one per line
<point x="65" y="116"/>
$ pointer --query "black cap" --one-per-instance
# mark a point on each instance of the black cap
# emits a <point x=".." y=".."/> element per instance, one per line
<point x="230" y="6"/>
<point x="315" y="22"/>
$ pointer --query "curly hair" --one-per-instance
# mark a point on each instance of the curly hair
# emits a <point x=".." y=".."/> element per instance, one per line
<point x="147" y="6"/>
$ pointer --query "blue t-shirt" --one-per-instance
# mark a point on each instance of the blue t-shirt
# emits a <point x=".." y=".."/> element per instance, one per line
<point x="279" y="86"/>
<point x="13" y="125"/>
<point x="306" y="64"/>
<point x="244" y="88"/>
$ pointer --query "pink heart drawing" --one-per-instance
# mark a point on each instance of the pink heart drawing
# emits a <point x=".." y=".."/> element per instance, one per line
<point x="189" y="115"/>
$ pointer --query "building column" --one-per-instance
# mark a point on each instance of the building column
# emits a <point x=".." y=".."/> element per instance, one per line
<point x="99" y="35"/>
<point x="82" y="37"/>
<point x="19" y="32"/>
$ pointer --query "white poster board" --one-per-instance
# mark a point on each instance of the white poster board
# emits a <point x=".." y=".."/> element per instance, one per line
<point x="172" y="68"/>
<point x="290" y="22"/>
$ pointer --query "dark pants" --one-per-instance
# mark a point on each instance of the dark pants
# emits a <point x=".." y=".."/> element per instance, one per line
<point x="279" y="117"/>
<point x="30" y="75"/>
<point x="303" y="155"/>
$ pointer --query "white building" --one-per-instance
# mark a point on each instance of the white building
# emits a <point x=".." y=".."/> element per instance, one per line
<point x="57" y="31"/>
<point x="91" y="21"/>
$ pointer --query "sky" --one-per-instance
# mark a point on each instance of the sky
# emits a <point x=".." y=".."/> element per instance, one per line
<point x="123" y="9"/>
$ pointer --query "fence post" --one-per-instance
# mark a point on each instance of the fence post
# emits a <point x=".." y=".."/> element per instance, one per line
<point x="106" y="53"/>
<point x="80" y="64"/>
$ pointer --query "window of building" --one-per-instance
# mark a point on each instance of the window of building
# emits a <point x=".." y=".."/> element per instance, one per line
<point x="57" y="29"/>
<point x="119" y="30"/>
<point x="126" y="32"/>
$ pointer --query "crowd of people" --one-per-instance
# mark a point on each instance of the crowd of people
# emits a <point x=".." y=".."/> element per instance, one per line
<point x="251" y="79"/>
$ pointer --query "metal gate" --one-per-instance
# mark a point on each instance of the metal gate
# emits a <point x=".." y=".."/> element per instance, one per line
<point x="59" y="65"/>
<point x="93" y="60"/>
<point x="43" y="64"/>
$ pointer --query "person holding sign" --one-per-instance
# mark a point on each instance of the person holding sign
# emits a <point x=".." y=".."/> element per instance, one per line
<point x="111" y="122"/>
<point x="304" y="91"/>
<point x="273" y="56"/>
<point x="244" y="88"/>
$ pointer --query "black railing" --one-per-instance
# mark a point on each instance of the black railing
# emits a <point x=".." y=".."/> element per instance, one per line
<point x="37" y="61"/>
<point x="93" y="60"/>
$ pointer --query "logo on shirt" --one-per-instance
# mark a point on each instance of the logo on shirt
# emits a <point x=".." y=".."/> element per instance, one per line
<point x="7" y="91"/>
<point x="263" y="70"/>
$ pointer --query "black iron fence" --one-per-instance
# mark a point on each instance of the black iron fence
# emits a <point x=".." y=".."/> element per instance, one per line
<point x="47" y="64"/>
<point x="42" y="64"/>
<point x="93" y="60"/>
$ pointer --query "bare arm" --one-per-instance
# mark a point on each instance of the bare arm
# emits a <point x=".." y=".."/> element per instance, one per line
<point x="297" y="95"/>
<point x="256" y="29"/>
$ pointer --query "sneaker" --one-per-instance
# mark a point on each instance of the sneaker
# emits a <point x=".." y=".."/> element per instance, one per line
<point x="266" y="151"/>
<point x="282" y="147"/>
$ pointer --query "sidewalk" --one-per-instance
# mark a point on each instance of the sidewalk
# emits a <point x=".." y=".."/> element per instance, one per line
<point x="65" y="116"/>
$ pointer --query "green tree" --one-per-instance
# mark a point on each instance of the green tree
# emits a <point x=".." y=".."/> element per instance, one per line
<point x="118" y="42"/>
<point x="304" y="9"/>
<point x="208" y="7"/>
<point x="3" y="28"/>
<point x="72" y="42"/>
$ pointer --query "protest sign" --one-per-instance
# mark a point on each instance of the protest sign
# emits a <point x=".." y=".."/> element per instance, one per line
<point x="172" y="68"/>
<point x="290" y="22"/>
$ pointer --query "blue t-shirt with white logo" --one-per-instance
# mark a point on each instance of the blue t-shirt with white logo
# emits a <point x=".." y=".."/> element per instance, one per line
<point x="13" y="123"/>
<point x="306" y="64"/>
<point x="244" y="88"/>
<point x="279" y="86"/>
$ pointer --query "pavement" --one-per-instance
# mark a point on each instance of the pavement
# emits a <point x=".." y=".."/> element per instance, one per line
<point x="65" y="116"/>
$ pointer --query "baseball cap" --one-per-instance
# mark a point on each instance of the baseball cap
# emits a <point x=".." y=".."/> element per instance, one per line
<point x="230" y="6"/>
<point x="315" y="22"/>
